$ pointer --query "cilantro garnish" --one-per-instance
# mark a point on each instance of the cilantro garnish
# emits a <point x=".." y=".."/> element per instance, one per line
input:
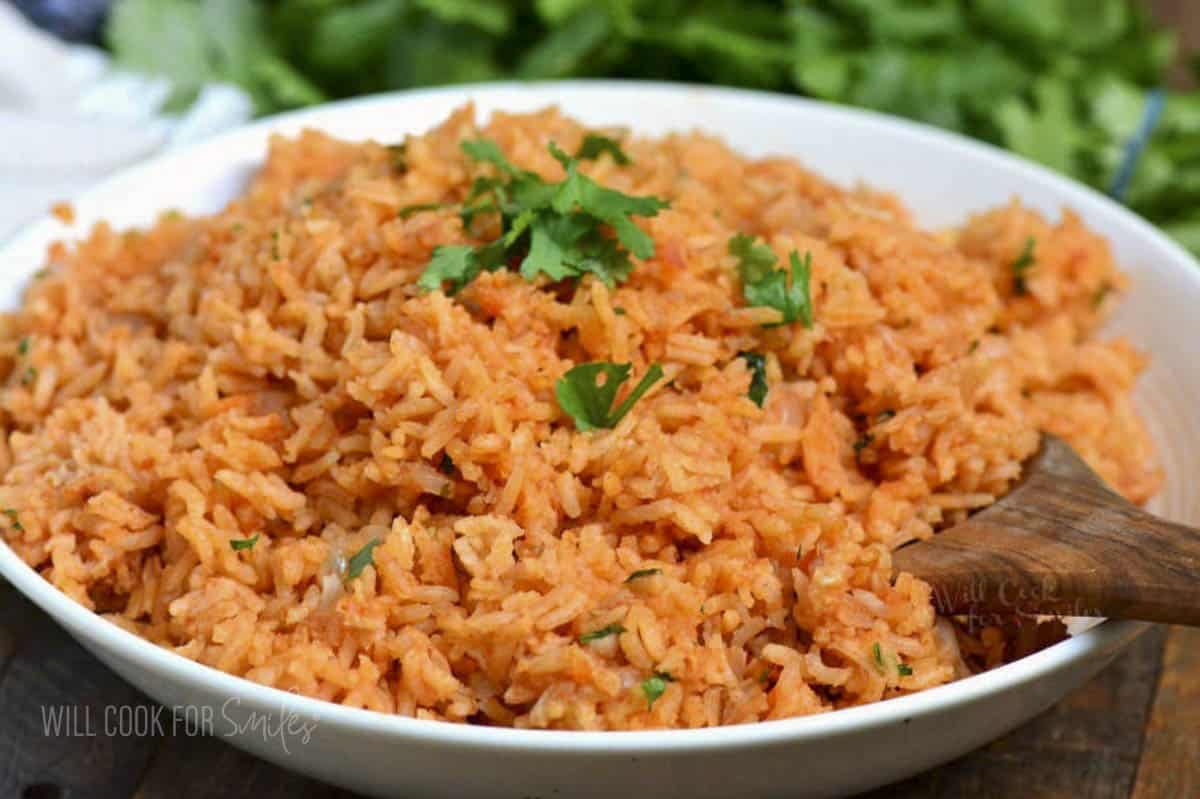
<point x="243" y="543"/>
<point x="885" y="663"/>
<point x="447" y="465"/>
<point x="362" y="559"/>
<point x="1022" y="265"/>
<point x="29" y="377"/>
<point x="590" y="404"/>
<point x="655" y="686"/>
<point x="1101" y="295"/>
<point x="594" y="145"/>
<point x="757" y="364"/>
<point x="399" y="155"/>
<point x="764" y="285"/>
<point x="555" y="229"/>
<point x="603" y="632"/>
<point x="640" y="573"/>
<point x="411" y="210"/>
<point x="23" y="346"/>
<point x="864" y="442"/>
<point x="14" y="518"/>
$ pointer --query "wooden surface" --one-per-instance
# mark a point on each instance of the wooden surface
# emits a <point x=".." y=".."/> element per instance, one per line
<point x="1061" y="542"/>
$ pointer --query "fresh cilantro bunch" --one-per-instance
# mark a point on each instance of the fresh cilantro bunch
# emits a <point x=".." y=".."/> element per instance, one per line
<point x="553" y="229"/>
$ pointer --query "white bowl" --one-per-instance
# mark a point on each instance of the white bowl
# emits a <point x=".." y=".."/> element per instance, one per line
<point x="942" y="177"/>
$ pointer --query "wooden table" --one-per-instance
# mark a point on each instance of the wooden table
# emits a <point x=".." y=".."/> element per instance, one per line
<point x="1131" y="732"/>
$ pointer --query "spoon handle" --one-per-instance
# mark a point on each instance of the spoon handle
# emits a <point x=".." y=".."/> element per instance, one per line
<point x="1062" y="543"/>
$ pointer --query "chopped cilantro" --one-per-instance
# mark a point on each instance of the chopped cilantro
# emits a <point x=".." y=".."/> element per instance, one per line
<point x="864" y="442"/>
<point x="590" y="404"/>
<point x="594" y="145"/>
<point x="877" y="657"/>
<point x="411" y="210"/>
<point x="883" y="416"/>
<point x="619" y="311"/>
<point x="655" y="686"/>
<point x="640" y="573"/>
<point x="1101" y="295"/>
<point x="552" y="229"/>
<point x="14" y="518"/>
<point x="399" y="156"/>
<point x="764" y="285"/>
<point x="757" y="364"/>
<point x="603" y="632"/>
<point x="29" y="377"/>
<point x="243" y="543"/>
<point x="447" y="465"/>
<point x="23" y="346"/>
<point x="362" y="559"/>
<point x="1022" y="265"/>
<point x="41" y="273"/>
<point x="885" y="663"/>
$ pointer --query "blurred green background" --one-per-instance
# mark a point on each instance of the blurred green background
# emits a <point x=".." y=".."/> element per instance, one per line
<point x="1064" y="82"/>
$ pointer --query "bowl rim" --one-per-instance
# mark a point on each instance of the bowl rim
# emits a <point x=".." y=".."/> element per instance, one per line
<point x="1097" y="642"/>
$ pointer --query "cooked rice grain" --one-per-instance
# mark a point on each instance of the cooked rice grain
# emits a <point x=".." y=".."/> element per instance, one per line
<point x="273" y="371"/>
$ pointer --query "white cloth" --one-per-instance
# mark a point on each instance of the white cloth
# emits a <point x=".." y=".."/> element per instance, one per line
<point x="68" y="118"/>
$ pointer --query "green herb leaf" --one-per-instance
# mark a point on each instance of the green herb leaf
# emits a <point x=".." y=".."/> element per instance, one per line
<point x="14" y="519"/>
<point x="1022" y="265"/>
<point x="446" y="466"/>
<point x="862" y="443"/>
<point x="594" y="145"/>
<point x="243" y="543"/>
<point x="411" y="210"/>
<point x="23" y="346"/>
<point x="458" y="265"/>
<point x="590" y="404"/>
<point x="1101" y="295"/>
<point x="551" y="229"/>
<point x="655" y="686"/>
<point x="904" y="670"/>
<point x="29" y="376"/>
<point x="603" y="632"/>
<point x="640" y="573"/>
<point x="766" y="286"/>
<point x="362" y="559"/>
<point x="877" y="658"/>
<point x="757" y="364"/>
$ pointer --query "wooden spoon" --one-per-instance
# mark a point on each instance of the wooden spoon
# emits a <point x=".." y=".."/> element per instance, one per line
<point x="1062" y="543"/>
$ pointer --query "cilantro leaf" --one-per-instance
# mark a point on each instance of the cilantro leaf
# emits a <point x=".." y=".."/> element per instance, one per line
<point x="410" y="210"/>
<point x="594" y="145"/>
<point x="640" y="573"/>
<point x="1022" y="265"/>
<point x="655" y="686"/>
<point x="237" y="544"/>
<point x="764" y="285"/>
<point x="603" y="632"/>
<point x="552" y="229"/>
<point x="606" y="205"/>
<point x="757" y="364"/>
<point x="590" y="404"/>
<point x="14" y="519"/>
<point x="362" y="559"/>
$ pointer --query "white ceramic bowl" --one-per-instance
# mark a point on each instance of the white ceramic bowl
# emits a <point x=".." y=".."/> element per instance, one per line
<point x="942" y="177"/>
